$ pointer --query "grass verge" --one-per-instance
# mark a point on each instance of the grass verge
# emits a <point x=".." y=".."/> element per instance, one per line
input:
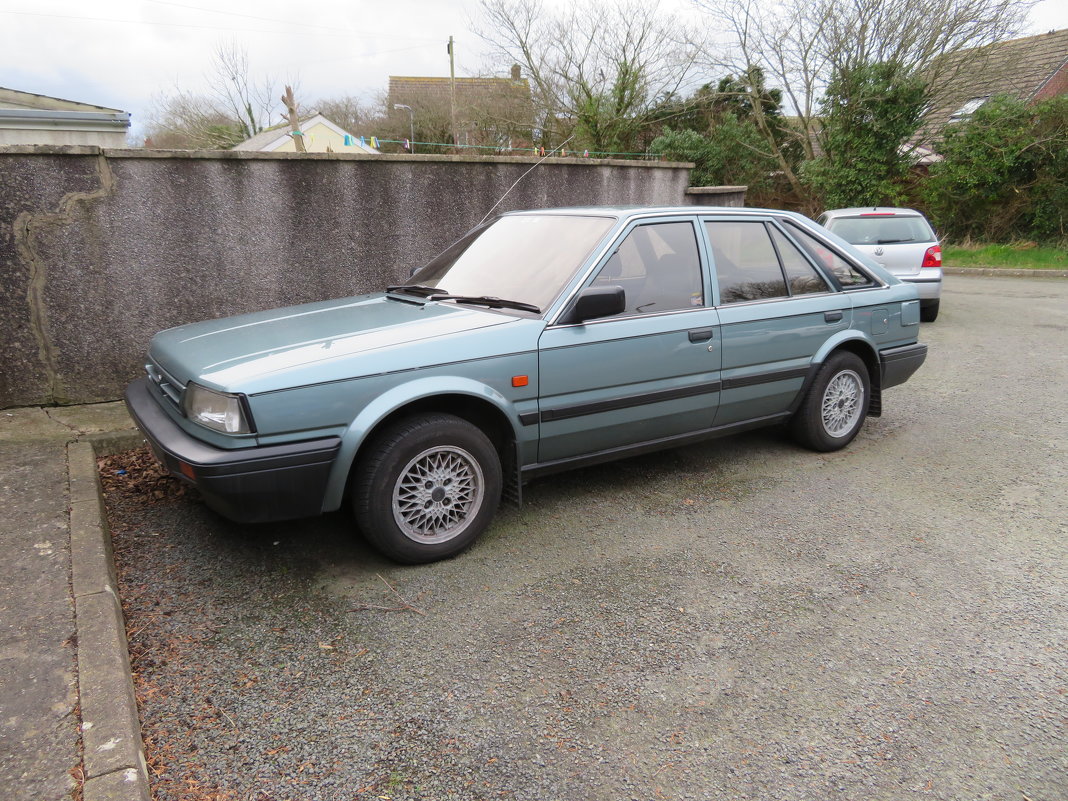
<point x="1025" y="256"/>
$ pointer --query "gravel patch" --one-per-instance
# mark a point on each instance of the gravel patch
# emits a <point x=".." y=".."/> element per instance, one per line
<point x="738" y="620"/>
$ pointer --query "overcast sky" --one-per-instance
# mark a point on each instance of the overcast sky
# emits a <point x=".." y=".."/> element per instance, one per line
<point x="123" y="53"/>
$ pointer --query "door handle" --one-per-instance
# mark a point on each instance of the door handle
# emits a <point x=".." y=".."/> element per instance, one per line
<point x="702" y="334"/>
<point x="832" y="317"/>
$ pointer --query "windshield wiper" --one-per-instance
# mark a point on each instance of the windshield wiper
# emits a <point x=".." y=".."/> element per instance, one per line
<point x="414" y="289"/>
<point x="486" y="300"/>
<point x="892" y="241"/>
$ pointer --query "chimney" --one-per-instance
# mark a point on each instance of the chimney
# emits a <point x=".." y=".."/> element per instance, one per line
<point x="515" y="72"/>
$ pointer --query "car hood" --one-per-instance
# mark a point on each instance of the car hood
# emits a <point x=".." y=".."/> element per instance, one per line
<point x="239" y="353"/>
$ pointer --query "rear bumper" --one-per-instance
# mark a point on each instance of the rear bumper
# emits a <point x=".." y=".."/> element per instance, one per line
<point x="898" y="364"/>
<point x="928" y="282"/>
<point x="249" y="485"/>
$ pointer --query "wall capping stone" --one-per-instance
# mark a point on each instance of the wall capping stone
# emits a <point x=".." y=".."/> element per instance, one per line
<point x="252" y="155"/>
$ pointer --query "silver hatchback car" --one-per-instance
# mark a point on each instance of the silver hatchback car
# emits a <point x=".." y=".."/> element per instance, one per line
<point x="899" y="240"/>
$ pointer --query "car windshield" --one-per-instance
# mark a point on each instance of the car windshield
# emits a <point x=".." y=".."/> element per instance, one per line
<point x="882" y="229"/>
<point x="527" y="258"/>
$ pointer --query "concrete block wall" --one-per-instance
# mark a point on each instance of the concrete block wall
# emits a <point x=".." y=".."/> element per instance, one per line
<point x="101" y="248"/>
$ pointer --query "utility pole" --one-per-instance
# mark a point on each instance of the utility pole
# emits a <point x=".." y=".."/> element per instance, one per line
<point x="452" y="93"/>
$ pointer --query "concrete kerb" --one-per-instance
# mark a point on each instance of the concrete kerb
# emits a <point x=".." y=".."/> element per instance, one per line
<point x="113" y="758"/>
<point x="1000" y="272"/>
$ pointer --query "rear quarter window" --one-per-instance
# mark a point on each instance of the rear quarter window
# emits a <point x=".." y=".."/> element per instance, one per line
<point x="843" y="271"/>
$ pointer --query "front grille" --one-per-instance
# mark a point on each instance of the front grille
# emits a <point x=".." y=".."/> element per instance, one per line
<point x="170" y="388"/>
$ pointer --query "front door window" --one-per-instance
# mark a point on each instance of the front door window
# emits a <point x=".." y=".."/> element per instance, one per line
<point x="658" y="267"/>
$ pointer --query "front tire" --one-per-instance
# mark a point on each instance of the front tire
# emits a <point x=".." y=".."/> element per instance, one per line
<point x="427" y="488"/>
<point x="835" y="405"/>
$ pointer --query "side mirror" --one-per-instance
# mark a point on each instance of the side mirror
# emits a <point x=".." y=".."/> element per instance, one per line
<point x="594" y="302"/>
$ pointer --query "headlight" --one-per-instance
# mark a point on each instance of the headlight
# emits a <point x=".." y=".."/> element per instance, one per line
<point x="216" y="410"/>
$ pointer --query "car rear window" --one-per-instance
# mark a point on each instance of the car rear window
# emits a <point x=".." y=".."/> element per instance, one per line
<point x="882" y="229"/>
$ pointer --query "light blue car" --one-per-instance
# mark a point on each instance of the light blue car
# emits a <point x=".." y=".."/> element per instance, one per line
<point x="541" y="341"/>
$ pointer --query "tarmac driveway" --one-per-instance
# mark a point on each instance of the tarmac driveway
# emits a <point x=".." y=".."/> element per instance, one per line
<point x="735" y="620"/>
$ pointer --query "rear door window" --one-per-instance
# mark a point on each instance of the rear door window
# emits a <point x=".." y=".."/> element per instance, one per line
<point x="756" y="261"/>
<point x="747" y="267"/>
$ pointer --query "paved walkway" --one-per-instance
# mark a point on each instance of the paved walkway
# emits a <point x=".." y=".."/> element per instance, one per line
<point x="40" y="708"/>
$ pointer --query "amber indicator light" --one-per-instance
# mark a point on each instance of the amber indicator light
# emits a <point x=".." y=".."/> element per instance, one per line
<point x="520" y="380"/>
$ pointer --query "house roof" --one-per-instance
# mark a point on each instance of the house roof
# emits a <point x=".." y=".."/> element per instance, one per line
<point x="15" y="99"/>
<point x="1028" y="69"/>
<point x="271" y="138"/>
<point x="28" y="110"/>
<point x="265" y="138"/>
<point x="471" y="93"/>
<point x="409" y="83"/>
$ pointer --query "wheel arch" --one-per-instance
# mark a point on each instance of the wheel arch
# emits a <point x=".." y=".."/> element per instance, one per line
<point x="477" y="403"/>
<point x="866" y="351"/>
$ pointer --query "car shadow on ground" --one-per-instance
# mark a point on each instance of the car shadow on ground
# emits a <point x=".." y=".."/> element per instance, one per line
<point x="334" y="537"/>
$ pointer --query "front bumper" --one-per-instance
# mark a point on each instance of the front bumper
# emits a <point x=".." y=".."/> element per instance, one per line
<point x="248" y="485"/>
<point x="898" y="364"/>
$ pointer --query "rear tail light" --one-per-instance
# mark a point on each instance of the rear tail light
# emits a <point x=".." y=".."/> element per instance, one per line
<point x="933" y="257"/>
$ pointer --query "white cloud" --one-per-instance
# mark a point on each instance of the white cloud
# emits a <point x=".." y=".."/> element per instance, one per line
<point x="120" y="53"/>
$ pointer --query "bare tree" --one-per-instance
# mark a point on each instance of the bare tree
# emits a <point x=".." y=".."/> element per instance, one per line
<point x="800" y="45"/>
<point x="235" y="107"/>
<point x="351" y="113"/>
<point x="596" y="70"/>
<point x="252" y="103"/>
<point x="186" y="121"/>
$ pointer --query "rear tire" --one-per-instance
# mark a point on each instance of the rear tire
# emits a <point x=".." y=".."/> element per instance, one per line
<point x="835" y="405"/>
<point x="929" y="311"/>
<point x="426" y="488"/>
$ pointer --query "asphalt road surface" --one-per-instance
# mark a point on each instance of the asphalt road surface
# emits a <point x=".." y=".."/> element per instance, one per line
<point x="737" y="620"/>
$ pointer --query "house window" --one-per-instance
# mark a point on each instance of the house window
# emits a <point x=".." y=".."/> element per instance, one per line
<point x="969" y="108"/>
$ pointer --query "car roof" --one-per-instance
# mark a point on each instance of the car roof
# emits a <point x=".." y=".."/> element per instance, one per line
<point x="635" y="211"/>
<point x="872" y="210"/>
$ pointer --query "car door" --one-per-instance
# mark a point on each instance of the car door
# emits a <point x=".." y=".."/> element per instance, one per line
<point x="776" y="310"/>
<point x="646" y="375"/>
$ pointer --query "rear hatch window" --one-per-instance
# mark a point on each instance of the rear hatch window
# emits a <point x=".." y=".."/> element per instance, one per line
<point x="882" y="230"/>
